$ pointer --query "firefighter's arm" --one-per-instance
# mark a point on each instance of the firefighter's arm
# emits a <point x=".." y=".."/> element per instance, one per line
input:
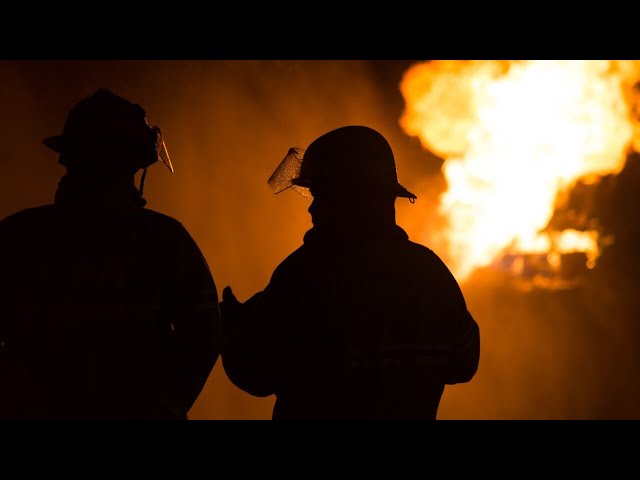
<point x="459" y="332"/>
<point x="196" y="335"/>
<point x="464" y="350"/>
<point x="246" y="350"/>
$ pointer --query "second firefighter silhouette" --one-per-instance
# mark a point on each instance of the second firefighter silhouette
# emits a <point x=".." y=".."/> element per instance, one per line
<point x="359" y="322"/>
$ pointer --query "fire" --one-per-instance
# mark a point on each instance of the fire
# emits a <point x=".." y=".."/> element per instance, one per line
<point x="514" y="135"/>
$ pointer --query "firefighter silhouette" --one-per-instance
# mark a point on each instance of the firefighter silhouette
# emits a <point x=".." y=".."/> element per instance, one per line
<point x="359" y="322"/>
<point x="108" y="309"/>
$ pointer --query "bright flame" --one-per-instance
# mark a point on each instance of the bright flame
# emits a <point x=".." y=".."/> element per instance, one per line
<point x="514" y="134"/>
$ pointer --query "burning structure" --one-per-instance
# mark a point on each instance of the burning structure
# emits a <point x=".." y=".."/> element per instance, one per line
<point x="516" y="137"/>
<point x="542" y="170"/>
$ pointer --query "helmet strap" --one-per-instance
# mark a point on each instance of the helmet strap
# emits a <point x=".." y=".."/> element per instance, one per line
<point x="144" y="175"/>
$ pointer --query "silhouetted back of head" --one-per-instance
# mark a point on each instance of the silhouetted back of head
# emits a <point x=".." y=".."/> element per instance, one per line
<point x="107" y="136"/>
<point x="351" y="174"/>
<point x="353" y="159"/>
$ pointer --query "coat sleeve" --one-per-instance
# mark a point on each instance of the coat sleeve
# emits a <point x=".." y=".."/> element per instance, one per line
<point x="460" y="332"/>
<point x="464" y="352"/>
<point x="196" y="324"/>
<point x="252" y="343"/>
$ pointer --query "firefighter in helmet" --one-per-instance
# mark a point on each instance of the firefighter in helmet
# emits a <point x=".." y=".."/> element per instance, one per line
<point x="108" y="309"/>
<point x="359" y="322"/>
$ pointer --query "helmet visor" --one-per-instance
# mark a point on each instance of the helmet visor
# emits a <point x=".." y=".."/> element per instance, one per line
<point x="285" y="176"/>
<point x="161" y="149"/>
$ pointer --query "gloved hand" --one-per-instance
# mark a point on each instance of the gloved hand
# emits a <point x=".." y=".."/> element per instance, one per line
<point x="231" y="318"/>
<point x="229" y="306"/>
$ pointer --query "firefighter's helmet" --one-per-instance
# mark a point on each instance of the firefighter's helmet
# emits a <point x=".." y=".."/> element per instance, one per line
<point x="107" y="125"/>
<point x="352" y="158"/>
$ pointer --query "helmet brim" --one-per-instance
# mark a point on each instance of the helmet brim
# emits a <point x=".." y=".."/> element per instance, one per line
<point x="55" y="143"/>
<point x="404" y="193"/>
<point x="398" y="189"/>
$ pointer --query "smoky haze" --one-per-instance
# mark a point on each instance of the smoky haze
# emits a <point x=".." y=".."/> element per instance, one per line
<point x="228" y="124"/>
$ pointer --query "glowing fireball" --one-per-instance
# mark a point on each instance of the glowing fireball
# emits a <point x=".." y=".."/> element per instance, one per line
<point x="514" y="134"/>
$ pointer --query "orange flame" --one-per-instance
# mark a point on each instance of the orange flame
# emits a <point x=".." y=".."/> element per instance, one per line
<point x="514" y="134"/>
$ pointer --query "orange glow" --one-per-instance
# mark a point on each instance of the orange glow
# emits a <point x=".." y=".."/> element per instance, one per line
<point x="513" y="135"/>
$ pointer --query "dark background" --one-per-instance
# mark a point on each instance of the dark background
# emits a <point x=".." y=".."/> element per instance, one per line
<point x="227" y="124"/>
